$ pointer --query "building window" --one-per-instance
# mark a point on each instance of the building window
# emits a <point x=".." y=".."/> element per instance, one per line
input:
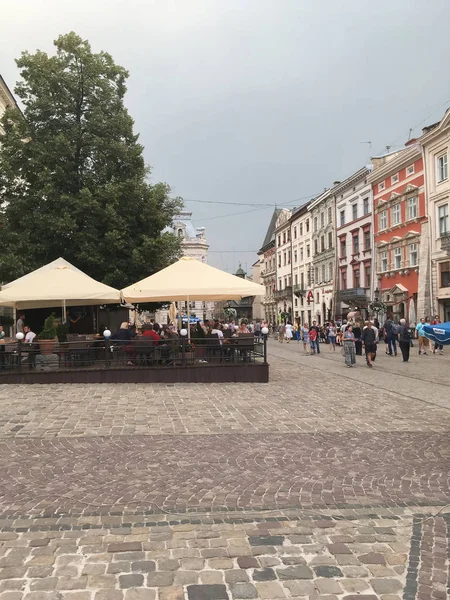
<point x="296" y="279"/>
<point x="356" y="278"/>
<point x="381" y="186"/>
<point x="410" y="170"/>
<point x="397" y="258"/>
<point x="316" y="275"/>
<point x="382" y="219"/>
<point x="366" y="206"/>
<point x="301" y="254"/>
<point x="309" y="276"/>
<point x="280" y="286"/>
<point x="395" y="214"/>
<point x="342" y="217"/>
<point x="279" y="260"/>
<point x="295" y="256"/>
<point x="295" y="233"/>
<point x="343" y="253"/>
<point x="315" y="224"/>
<point x="289" y="257"/>
<point x="301" y="229"/>
<point x="367" y="275"/>
<point x="284" y="237"/>
<point x="355" y="243"/>
<point x="289" y="235"/>
<point x="394" y="179"/>
<point x="307" y="225"/>
<point x="324" y="274"/>
<point x="302" y="281"/>
<point x="279" y="240"/>
<point x="316" y="246"/>
<point x="354" y="212"/>
<point x="322" y="220"/>
<point x="343" y="279"/>
<point x="444" y="270"/>
<point x="384" y="261"/>
<point x="284" y="258"/>
<point x="330" y="239"/>
<point x="308" y="251"/>
<point x="322" y="243"/>
<point x="317" y="297"/>
<point x="413" y="255"/>
<point x="443" y="219"/>
<point x="442" y="167"/>
<point x="412" y="208"/>
<point x="330" y="271"/>
<point x="330" y="216"/>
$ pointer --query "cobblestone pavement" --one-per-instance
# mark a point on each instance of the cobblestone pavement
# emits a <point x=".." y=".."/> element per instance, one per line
<point x="327" y="483"/>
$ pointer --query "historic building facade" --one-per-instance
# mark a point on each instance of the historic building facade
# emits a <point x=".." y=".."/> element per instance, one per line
<point x="354" y="233"/>
<point x="435" y="144"/>
<point x="322" y="216"/>
<point x="268" y="270"/>
<point x="7" y="100"/>
<point x="401" y="232"/>
<point x="283" y="292"/>
<point x="301" y="238"/>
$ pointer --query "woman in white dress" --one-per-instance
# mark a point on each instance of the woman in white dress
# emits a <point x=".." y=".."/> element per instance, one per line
<point x="288" y="332"/>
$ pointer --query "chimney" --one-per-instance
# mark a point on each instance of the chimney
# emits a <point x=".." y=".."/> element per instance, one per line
<point x="411" y="142"/>
<point x="336" y="182"/>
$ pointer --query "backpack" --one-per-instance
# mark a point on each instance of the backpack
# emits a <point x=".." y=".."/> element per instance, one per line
<point x="395" y="328"/>
<point x="313" y="335"/>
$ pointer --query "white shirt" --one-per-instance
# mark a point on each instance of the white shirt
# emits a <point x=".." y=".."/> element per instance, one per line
<point x="218" y="333"/>
<point x="30" y="337"/>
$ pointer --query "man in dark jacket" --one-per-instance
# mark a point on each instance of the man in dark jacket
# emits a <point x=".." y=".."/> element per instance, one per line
<point x="317" y="329"/>
<point x="404" y="339"/>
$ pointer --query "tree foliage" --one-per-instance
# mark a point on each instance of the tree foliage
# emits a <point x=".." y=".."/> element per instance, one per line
<point x="73" y="181"/>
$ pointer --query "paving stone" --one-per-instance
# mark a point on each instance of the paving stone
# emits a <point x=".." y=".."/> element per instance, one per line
<point x="72" y="583"/>
<point x="140" y="594"/>
<point x="125" y="547"/>
<point x="328" y="571"/>
<point x="380" y="571"/>
<point x="338" y="549"/>
<point x="47" y="584"/>
<point x="12" y="572"/>
<point x="118" y="567"/>
<point x="41" y="596"/>
<point x="270" y="589"/>
<point x="355" y="572"/>
<point x="361" y="597"/>
<point x="143" y="566"/>
<point x="264" y="575"/>
<point x="243" y="590"/>
<point x="75" y="595"/>
<point x="101" y="582"/>
<point x="160" y="579"/>
<point x="396" y="559"/>
<point x="12" y="585"/>
<point x="247" y="562"/>
<point x="212" y="577"/>
<point x="236" y="576"/>
<point x="207" y="592"/>
<point x="131" y="581"/>
<point x="174" y="592"/>
<point x="11" y="596"/>
<point x="39" y="542"/>
<point x="110" y="594"/>
<point x="168" y="565"/>
<point x="300" y="572"/>
<point x="186" y="577"/>
<point x="269" y="540"/>
<point x="271" y="561"/>
<point x="322" y="560"/>
<point x="354" y="585"/>
<point x="192" y="564"/>
<point x="94" y="569"/>
<point x="299" y="588"/>
<point x="386" y="586"/>
<point x="373" y="558"/>
<point x="328" y="586"/>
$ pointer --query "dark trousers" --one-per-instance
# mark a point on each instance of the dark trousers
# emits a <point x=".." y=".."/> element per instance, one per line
<point x="392" y="344"/>
<point x="405" y="347"/>
<point x="358" y="347"/>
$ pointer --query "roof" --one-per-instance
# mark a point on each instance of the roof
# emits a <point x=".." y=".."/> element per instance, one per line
<point x="271" y="229"/>
<point x="6" y="92"/>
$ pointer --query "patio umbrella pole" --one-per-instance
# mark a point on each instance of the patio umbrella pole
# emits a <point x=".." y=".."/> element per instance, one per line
<point x="63" y="313"/>
<point x="188" y="319"/>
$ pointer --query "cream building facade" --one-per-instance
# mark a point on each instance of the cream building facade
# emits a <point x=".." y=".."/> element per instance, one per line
<point x="435" y="144"/>
<point x="283" y="292"/>
<point x="322" y="215"/>
<point x="301" y="236"/>
<point x="354" y="232"/>
<point x="7" y="100"/>
<point x="268" y="270"/>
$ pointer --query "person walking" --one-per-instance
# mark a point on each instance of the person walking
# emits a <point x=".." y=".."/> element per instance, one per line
<point x="313" y="341"/>
<point x="404" y="339"/>
<point x="389" y="328"/>
<point x="332" y="336"/>
<point x="305" y="338"/>
<point x="437" y="347"/>
<point x="288" y="332"/>
<point x="357" y="331"/>
<point x="349" y="347"/>
<point x="281" y="330"/>
<point x="423" y="341"/>
<point x="316" y="337"/>
<point x="369" y="339"/>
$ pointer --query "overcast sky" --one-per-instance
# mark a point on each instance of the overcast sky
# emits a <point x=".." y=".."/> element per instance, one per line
<point x="256" y="101"/>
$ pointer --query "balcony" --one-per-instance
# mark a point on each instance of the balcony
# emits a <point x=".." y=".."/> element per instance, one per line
<point x="283" y="294"/>
<point x="445" y="241"/>
<point x="299" y="290"/>
<point x="357" y="296"/>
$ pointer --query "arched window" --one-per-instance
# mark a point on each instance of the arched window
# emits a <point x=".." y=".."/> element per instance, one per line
<point x="180" y="233"/>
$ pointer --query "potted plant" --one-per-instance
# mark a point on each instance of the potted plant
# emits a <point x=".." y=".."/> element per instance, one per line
<point x="48" y="336"/>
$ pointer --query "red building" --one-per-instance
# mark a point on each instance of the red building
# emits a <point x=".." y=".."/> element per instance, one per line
<point x="399" y="223"/>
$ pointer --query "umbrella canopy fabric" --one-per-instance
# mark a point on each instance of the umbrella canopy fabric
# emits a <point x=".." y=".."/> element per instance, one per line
<point x="439" y="334"/>
<point x="190" y="278"/>
<point x="56" y="283"/>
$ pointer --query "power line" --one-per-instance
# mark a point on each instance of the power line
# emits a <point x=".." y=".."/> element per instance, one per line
<point x="258" y="205"/>
<point x="242" y="212"/>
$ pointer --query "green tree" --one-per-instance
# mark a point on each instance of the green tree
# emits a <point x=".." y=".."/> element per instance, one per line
<point x="73" y="181"/>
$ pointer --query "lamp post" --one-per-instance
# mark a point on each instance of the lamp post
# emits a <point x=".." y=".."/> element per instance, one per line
<point x="19" y="338"/>
<point x="107" y="335"/>
<point x="265" y="331"/>
<point x="183" y="334"/>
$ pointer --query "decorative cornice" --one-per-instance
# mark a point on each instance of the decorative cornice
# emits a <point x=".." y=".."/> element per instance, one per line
<point x="403" y="159"/>
<point x="350" y="181"/>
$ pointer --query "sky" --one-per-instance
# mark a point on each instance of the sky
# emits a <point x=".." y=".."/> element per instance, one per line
<point x="256" y="103"/>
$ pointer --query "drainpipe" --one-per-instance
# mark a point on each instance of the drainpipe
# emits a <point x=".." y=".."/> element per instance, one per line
<point x="430" y="232"/>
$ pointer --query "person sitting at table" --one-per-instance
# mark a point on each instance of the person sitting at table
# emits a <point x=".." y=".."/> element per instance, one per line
<point x="2" y="347"/>
<point x="243" y="328"/>
<point x="148" y="330"/>
<point x="29" y="335"/>
<point x="123" y="337"/>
